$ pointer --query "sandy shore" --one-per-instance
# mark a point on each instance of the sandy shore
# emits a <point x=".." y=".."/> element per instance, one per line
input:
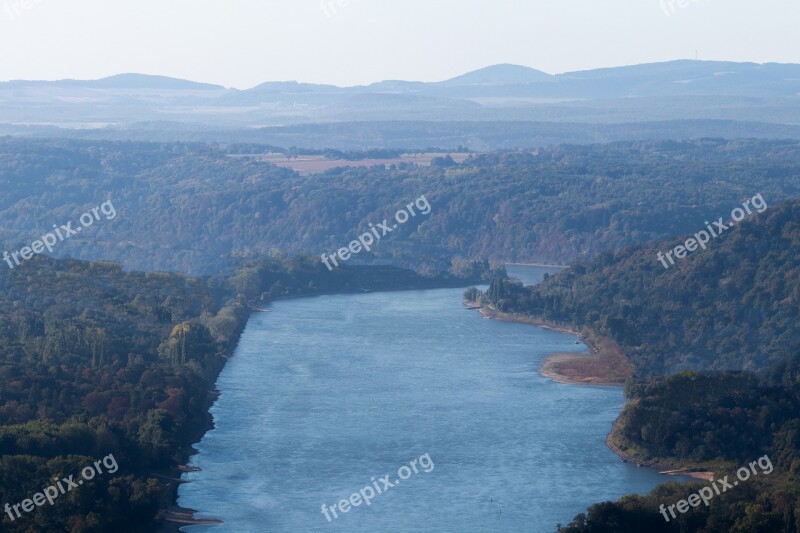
<point x="185" y="517"/>
<point x="549" y="368"/>
<point x="175" y="517"/>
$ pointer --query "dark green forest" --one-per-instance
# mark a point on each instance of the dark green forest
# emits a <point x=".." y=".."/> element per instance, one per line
<point x="202" y="209"/>
<point x="669" y="419"/>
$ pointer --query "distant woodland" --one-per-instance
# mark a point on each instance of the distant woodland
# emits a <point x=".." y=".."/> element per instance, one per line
<point x="197" y="209"/>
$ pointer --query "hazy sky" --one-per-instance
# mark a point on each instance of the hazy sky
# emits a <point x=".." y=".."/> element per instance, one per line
<point x="241" y="43"/>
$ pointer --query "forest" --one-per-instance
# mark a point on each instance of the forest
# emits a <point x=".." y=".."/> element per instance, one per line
<point x="202" y="209"/>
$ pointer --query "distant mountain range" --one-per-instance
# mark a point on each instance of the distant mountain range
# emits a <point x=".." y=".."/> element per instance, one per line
<point x="120" y="81"/>
<point x="741" y="93"/>
<point x="666" y="79"/>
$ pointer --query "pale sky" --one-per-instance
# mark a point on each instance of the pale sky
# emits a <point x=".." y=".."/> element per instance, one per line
<point x="241" y="43"/>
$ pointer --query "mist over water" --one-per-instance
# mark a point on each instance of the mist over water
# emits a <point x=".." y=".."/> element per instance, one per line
<point x="325" y="393"/>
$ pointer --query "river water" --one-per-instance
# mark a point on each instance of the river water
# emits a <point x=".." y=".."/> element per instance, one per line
<point x="326" y="393"/>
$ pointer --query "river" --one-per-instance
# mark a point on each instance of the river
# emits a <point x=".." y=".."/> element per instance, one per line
<point x="324" y="394"/>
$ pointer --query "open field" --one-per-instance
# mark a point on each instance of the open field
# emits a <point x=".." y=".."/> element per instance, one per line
<point x="314" y="164"/>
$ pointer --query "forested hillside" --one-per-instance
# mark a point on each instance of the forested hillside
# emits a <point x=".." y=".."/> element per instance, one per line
<point x="96" y="361"/>
<point x="195" y="209"/>
<point x="733" y="306"/>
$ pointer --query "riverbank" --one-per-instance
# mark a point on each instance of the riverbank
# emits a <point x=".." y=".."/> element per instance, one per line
<point x="178" y="517"/>
<point x="603" y="364"/>
<point x="171" y="516"/>
<point x="175" y="517"/>
<point x="552" y="365"/>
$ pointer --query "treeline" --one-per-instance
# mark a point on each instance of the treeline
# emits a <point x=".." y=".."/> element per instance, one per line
<point x="272" y="279"/>
<point x="196" y="209"/>
<point x="733" y="306"/>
